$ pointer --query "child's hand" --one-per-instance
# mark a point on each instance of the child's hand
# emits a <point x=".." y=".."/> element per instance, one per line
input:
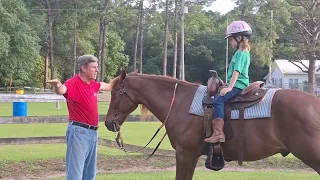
<point x="224" y="91"/>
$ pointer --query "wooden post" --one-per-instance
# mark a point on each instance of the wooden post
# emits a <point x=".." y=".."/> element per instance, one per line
<point x="57" y="105"/>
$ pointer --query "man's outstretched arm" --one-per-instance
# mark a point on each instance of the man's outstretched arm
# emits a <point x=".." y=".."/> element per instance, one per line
<point x="59" y="88"/>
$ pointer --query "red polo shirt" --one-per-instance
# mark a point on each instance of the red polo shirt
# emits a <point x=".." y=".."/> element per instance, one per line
<point x="82" y="100"/>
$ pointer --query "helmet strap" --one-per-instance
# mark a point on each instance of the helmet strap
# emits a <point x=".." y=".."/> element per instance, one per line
<point x="238" y="43"/>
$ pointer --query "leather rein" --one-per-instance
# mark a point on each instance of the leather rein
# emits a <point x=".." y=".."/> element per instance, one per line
<point x="116" y="125"/>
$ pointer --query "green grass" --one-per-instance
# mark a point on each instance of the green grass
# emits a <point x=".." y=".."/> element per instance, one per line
<point x="49" y="109"/>
<point x="16" y="153"/>
<point x="137" y="133"/>
<point x="208" y="175"/>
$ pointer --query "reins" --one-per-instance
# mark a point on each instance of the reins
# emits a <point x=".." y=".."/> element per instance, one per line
<point x="163" y="124"/>
<point x="118" y="137"/>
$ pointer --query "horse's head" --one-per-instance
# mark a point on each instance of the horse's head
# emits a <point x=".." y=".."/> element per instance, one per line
<point x="123" y="102"/>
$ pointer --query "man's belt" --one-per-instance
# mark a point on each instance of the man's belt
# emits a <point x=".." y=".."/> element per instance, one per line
<point x="84" y="125"/>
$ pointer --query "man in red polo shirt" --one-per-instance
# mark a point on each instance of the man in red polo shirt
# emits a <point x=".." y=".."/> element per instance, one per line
<point x="81" y="92"/>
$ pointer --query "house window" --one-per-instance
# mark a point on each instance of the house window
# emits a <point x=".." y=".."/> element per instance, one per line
<point x="280" y="82"/>
<point x="291" y="83"/>
<point x="294" y="83"/>
<point x="275" y="82"/>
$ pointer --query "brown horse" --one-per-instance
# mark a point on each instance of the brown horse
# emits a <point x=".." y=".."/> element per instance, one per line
<point x="294" y="125"/>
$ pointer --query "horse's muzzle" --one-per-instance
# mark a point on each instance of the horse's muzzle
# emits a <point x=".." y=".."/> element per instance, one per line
<point x="112" y="126"/>
<point x="109" y="126"/>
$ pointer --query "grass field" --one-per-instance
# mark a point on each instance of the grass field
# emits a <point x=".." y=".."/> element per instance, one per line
<point x="137" y="133"/>
<point x="49" y="109"/>
<point x="41" y="158"/>
<point x="16" y="153"/>
<point x="207" y="175"/>
<point x="38" y="159"/>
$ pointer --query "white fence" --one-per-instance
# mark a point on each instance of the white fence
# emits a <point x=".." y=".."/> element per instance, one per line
<point x="300" y="86"/>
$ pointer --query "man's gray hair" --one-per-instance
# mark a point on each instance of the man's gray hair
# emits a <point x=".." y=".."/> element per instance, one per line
<point x="85" y="60"/>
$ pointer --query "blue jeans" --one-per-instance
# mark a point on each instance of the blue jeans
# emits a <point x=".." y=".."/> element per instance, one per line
<point x="81" y="157"/>
<point x="218" y="102"/>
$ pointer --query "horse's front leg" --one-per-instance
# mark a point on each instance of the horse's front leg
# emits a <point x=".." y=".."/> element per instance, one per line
<point x="185" y="164"/>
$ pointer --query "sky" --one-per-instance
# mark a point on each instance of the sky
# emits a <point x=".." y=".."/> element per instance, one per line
<point x="222" y="6"/>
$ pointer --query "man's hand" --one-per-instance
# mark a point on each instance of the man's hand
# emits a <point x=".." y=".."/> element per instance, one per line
<point x="55" y="83"/>
<point x="59" y="88"/>
<point x="108" y="86"/>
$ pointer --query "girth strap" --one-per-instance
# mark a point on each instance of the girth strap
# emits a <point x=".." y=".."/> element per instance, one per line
<point x="241" y="136"/>
<point x="208" y="115"/>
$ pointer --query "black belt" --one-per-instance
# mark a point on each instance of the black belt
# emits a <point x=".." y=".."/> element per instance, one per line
<point x="84" y="125"/>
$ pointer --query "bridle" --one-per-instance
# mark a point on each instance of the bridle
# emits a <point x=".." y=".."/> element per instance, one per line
<point x="115" y="120"/>
<point x="116" y="124"/>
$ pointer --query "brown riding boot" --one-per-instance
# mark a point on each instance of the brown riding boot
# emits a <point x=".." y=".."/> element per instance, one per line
<point x="218" y="134"/>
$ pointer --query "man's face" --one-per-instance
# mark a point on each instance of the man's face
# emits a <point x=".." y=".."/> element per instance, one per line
<point x="91" y="71"/>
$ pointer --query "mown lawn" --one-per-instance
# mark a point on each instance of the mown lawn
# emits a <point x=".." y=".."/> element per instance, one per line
<point x="207" y="175"/>
<point x="137" y="133"/>
<point x="32" y="152"/>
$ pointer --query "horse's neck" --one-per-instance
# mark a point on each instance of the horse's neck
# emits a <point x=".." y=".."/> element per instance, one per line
<point x="157" y="95"/>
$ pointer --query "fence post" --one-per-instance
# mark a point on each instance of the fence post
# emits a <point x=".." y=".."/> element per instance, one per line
<point x="57" y="105"/>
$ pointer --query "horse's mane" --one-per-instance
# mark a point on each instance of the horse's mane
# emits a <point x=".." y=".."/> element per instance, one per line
<point x="164" y="78"/>
<point x="144" y="110"/>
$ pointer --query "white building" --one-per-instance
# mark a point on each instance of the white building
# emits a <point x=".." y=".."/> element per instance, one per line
<point x="285" y="74"/>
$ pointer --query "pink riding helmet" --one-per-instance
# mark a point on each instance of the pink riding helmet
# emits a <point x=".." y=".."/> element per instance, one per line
<point x="238" y="28"/>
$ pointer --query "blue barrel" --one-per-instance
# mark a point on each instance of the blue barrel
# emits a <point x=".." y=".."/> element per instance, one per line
<point x="20" y="108"/>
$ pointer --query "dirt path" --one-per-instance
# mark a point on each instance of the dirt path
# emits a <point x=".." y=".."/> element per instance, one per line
<point x="55" y="168"/>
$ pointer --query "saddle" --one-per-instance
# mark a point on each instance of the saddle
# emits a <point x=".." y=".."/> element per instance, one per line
<point x="250" y="96"/>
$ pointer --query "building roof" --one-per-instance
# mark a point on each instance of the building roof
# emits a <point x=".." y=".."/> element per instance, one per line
<point x="287" y="67"/>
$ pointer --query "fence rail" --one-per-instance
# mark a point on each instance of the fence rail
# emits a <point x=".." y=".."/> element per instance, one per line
<point x="298" y="86"/>
<point x="27" y="89"/>
<point x="44" y="97"/>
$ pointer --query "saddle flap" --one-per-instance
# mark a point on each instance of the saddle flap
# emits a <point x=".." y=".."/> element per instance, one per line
<point x="207" y="101"/>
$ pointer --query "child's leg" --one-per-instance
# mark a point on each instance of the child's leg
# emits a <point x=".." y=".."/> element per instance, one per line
<point x="218" y="122"/>
<point x="218" y="102"/>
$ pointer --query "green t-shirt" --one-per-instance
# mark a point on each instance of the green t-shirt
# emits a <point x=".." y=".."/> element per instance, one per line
<point x="240" y="62"/>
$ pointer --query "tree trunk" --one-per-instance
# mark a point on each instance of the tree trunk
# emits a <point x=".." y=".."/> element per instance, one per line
<point x="182" y="42"/>
<point x="75" y="46"/>
<point x="141" y="48"/>
<point x="45" y="77"/>
<point x="175" y="50"/>
<point x="136" y="44"/>
<point x="141" y="34"/>
<point x="165" y="56"/>
<point x="102" y="51"/>
<point x="101" y="39"/>
<point x="311" y="76"/>
<point x="50" y="19"/>
<point x="51" y="51"/>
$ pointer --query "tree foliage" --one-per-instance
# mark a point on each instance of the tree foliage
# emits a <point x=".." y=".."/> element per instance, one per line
<point x="19" y="44"/>
<point x="286" y="29"/>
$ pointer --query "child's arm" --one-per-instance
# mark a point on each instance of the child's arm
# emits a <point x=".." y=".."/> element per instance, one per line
<point x="233" y="79"/>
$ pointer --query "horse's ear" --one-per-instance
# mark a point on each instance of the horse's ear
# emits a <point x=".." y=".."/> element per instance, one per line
<point x="123" y="74"/>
